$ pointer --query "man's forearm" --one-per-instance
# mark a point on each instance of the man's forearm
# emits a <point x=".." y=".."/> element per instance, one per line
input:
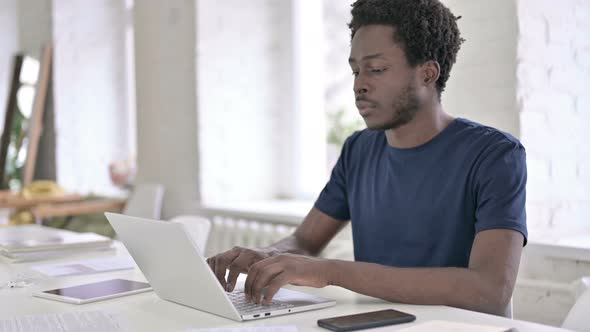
<point x="457" y="287"/>
<point x="291" y="245"/>
<point x="314" y="233"/>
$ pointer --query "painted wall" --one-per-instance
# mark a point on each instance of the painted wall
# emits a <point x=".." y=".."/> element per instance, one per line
<point x="8" y="46"/>
<point x="554" y="99"/>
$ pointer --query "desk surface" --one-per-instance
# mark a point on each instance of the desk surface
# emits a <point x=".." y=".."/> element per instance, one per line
<point x="147" y="312"/>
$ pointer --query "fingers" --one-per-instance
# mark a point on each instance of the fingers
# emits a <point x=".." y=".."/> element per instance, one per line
<point x="274" y="272"/>
<point x="242" y="264"/>
<point x="253" y="275"/>
<point x="252" y="272"/>
<point x="273" y="287"/>
<point x="219" y="263"/>
<point x="263" y="278"/>
<point x="237" y="260"/>
<point x="239" y="265"/>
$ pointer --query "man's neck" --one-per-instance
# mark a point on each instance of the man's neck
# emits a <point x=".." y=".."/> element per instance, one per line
<point x="425" y="126"/>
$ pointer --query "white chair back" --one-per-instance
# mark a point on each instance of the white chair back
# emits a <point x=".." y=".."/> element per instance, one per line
<point x="145" y="201"/>
<point x="198" y="228"/>
<point x="578" y="318"/>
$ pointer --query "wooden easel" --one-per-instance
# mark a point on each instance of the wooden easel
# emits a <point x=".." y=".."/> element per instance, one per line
<point x="43" y="207"/>
<point x="8" y="116"/>
<point x="36" y="121"/>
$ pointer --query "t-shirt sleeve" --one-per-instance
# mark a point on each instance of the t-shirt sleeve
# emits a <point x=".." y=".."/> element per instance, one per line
<point x="500" y="189"/>
<point x="333" y="199"/>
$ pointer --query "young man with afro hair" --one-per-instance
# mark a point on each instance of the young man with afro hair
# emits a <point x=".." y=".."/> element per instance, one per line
<point x="436" y="203"/>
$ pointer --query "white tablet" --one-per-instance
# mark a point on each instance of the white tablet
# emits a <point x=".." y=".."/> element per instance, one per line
<point x="95" y="291"/>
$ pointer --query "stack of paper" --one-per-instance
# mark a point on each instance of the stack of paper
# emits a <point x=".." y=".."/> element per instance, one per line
<point x="30" y="242"/>
<point x="86" y="321"/>
<point x="86" y="266"/>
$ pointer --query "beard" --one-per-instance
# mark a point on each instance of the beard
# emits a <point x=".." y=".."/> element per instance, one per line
<point x="404" y="110"/>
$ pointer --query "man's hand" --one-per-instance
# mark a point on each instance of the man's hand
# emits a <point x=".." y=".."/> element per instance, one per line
<point x="310" y="238"/>
<point x="237" y="260"/>
<point x="274" y="272"/>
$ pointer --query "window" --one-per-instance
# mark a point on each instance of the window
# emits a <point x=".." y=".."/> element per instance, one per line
<point x="265" y="133"/>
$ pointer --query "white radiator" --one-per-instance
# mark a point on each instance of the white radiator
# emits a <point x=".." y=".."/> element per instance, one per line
<point x="228" y="232"/>
<point x="230" y="228"/>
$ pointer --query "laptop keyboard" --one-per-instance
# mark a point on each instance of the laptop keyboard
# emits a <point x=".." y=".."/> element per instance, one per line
<point x="238" y="298"/>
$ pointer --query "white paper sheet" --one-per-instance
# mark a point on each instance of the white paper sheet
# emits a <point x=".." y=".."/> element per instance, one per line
<point x="445" y="326"/>
<point x="248" y="329"/>
<point x="86" y="266"/>
<point x="87" y="321"/>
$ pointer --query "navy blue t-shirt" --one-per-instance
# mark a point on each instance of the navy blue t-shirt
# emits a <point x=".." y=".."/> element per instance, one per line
<point x="422" y="206"/>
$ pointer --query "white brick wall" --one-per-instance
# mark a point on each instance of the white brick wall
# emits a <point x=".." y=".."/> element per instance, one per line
<point x="524" y="69"/>
<point x="553" y="91"/>
<point x="90" y="92"/>
<point x="482" y="85"/>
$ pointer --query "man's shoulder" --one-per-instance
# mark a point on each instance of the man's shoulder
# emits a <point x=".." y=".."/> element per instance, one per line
<point x="491" y="150"/>
<point x="486" y="136"/>
<point x="466" y="132"/>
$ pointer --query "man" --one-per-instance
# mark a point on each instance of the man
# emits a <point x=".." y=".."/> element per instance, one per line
<point x="436" y="203"/>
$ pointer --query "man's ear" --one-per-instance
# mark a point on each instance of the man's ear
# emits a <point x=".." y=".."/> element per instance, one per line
<point x="430" y="72"/>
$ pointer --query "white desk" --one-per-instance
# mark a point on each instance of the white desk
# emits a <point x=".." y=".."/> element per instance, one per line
<point x="147" y="312"/>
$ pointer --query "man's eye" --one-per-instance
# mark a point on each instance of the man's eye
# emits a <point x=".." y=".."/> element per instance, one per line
<point x="377" y="70"/>
<point x="355" y="73"/>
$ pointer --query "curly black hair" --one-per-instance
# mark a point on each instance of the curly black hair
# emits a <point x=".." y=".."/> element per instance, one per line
<point x="426" y="30"/>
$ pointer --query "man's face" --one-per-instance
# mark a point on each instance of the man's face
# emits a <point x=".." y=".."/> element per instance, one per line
<point x="384" y="82"/>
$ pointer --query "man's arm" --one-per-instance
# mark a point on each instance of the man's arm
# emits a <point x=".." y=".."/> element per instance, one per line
<point x="312" y="236"/>
<point x="485" y="286"/>
<point x="314" y="233"/>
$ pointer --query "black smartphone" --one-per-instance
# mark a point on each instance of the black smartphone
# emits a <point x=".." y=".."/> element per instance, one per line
<point x="366" y="320"/>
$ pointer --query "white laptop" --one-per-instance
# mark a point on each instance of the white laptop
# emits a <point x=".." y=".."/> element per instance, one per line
<point x="172" y="263"/>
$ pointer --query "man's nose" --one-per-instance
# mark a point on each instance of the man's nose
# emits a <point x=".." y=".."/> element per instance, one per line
<point x="360" y="86"/>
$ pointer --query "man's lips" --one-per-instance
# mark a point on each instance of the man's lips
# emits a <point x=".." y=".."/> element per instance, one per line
<point x="364" y="107"/>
